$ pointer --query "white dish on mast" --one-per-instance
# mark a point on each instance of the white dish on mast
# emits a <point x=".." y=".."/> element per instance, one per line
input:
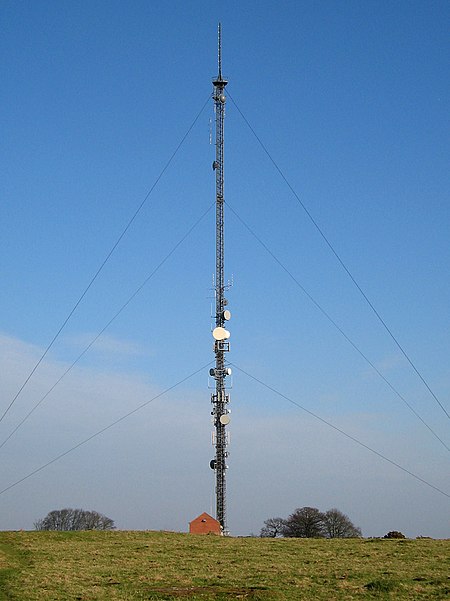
<point x="220" y="333"/>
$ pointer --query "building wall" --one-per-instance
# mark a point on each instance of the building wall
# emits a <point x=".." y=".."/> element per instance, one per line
<point x="204" y="524"/>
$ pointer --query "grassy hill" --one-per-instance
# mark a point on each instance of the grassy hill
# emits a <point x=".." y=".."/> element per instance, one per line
<point x="133" y="566"/>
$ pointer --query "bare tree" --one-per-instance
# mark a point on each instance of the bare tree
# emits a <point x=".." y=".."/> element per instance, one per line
<point x="273" y="528"/>
<point x="60" y="519"/>
<point x="74" y="519"/>
<point x="339" y="525"/>
<point x="309" y="522"/>
<point x="306" y="522"/>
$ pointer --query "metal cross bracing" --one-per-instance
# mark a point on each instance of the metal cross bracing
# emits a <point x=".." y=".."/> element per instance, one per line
<point x="219" y="398"/>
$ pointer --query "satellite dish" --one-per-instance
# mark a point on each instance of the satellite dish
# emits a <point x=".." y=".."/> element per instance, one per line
<point x="212" y="371"/>
<point x="224" y="419"/>
<point x="212" y="464"/>
<point x="228" y="371"/>
<point x="226" y="315"/>
<point x="220" y="333"/>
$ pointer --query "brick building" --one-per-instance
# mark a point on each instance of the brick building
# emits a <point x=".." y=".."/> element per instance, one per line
<point x="204" y="524"/>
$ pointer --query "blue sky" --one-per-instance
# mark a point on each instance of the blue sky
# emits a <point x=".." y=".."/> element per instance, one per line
<point x="352" y="101"/>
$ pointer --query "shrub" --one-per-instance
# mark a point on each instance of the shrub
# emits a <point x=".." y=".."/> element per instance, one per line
<point x="394" y="534"/>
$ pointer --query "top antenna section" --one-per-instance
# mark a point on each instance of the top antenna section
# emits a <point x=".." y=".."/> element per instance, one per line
<point x="219" y="79"/>
<point x="219" y="46"/>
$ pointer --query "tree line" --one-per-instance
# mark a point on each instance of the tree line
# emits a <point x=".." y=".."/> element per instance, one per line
<point x="309" y="522"/>
<point x="74" y="519"/>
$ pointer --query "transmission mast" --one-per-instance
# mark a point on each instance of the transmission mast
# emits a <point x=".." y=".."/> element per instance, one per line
<point x="220" y="398"/>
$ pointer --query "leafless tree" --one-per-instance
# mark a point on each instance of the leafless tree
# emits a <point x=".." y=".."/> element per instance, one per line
<point x="74" y="519"/>
<point x="273" y="528"/>
<point x="306" y="522"/>
<point x="339" y="525"/>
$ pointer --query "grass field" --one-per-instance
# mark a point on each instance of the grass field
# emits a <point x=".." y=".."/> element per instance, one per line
<point x="88" y="566"/>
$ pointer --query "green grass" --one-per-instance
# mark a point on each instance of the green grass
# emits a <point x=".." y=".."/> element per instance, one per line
<point x="137" y="566"/>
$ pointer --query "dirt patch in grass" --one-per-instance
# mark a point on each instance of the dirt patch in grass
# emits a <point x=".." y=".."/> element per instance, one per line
<point x="236" y="592"/>
<point x="211" y="593"/>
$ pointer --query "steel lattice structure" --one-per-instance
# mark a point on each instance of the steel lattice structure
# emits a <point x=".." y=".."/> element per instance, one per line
<point x="220" y="398"/>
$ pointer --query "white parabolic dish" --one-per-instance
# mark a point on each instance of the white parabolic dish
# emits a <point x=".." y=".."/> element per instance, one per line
<point x="224" y="419"/>
<point x="220" y="333"/>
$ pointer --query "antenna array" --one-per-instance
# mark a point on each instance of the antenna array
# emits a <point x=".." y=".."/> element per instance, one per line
<point x="220" y="398"/>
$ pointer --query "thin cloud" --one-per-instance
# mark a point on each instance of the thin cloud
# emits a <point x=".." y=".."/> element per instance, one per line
<point x="107" y="345"/>
<point x="284" y="458"/>
<point x="386" y="365"/>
